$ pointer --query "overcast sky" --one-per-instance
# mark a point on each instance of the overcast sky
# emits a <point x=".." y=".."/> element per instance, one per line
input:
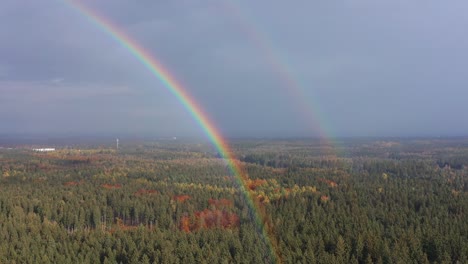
<point x="258" y="68"/>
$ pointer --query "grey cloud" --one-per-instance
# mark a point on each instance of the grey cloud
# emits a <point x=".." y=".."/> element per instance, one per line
<point x="55" y="91"/>
<point x="369" y="67"/>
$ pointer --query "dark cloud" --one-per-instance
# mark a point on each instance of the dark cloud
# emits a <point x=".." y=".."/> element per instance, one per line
<point x="363" y="68"/>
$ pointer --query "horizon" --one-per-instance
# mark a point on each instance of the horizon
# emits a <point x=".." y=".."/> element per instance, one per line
<point x="59" y="139"/>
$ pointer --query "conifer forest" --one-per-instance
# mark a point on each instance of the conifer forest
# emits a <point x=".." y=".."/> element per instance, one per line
<point x="177" y="201"/>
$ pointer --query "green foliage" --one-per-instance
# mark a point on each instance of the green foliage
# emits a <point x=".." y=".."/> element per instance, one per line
<point x="376" y="202"/>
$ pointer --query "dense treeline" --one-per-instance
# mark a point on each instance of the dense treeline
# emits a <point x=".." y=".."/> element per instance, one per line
<point x="363" y="202"/>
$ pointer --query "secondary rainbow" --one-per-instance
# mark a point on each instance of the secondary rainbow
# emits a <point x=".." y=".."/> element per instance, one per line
<point x="313" y="118"/>
<point x="163" y="74"/>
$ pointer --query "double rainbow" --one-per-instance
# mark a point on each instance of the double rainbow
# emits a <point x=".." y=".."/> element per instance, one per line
<point x="161" y="73"/>
<point x="308" y="107"/>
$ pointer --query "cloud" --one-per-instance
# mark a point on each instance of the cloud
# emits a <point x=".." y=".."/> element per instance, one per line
<point x="365" y="64"/>
<point x="57" y="80"/>
<point x="38" y="92"/>
<point x="3" y="71"/>
<point x="70" y="108"/>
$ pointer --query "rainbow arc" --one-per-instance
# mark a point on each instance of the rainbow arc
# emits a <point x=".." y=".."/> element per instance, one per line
<point x="158" y="70"/>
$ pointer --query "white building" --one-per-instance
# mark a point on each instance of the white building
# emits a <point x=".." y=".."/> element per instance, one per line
<point x="44" y="149"/>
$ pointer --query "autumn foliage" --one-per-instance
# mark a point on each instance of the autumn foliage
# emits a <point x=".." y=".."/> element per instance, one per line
<point x="208" y="219"/>
<point x="222" y="203"/>
<point x="253" y="184"/>
<point x="329" y="182"/>
<point x="180" y="198"/>
<point x="185" y="224"/>
<point x="71" y="183"/>
<point x="72" y="159"/>
<point x="144" y="191"/>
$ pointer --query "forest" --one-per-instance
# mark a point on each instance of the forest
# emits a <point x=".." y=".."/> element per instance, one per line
<point x="361" y="200"/>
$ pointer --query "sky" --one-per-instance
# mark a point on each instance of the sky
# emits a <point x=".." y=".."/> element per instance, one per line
<point x="257" y="68"/>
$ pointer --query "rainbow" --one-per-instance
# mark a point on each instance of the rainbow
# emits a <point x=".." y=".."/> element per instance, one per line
<point x="163" y="74"/>
<point x="305" y="104"/>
